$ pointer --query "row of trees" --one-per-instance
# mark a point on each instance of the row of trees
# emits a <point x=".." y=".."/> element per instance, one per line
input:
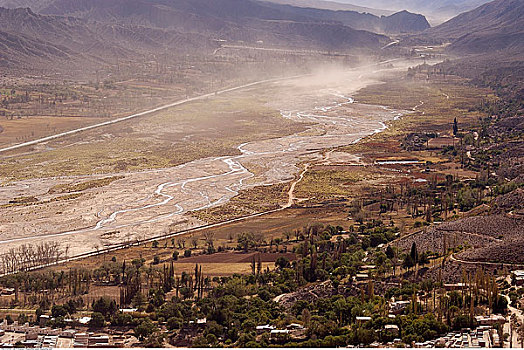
<point x="27" y="256"/>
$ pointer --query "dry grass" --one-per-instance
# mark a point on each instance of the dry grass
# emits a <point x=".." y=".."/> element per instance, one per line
<point x="82" y="186"/>
<point x="214" y="127"/>
<point x="250" y="201"/>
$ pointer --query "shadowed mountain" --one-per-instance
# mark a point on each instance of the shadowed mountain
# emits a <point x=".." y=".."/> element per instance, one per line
<point x="438" y="11"/>
<point x="401" y="22"/>
<point x="214" y="16"/>
<point x="27" y="37"/>
<point x="232" y="20"/>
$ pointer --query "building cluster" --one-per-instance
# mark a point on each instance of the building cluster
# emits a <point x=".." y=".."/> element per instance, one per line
<point x="518" y="277"/>
<point x="482" y="337"/>
<point x="292" y="331"/>
<point x="24" y="335"/>
<point x="92" y="340"/>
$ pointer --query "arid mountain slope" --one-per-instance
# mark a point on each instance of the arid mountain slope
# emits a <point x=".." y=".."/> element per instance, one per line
<point x="498" y="25"/>
<point x="217" y="16"/>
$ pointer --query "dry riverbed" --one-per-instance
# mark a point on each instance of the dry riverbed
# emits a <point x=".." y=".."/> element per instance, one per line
<point x="300" y="118"/>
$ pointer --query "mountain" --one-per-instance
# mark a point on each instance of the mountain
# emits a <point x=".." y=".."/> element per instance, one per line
<point x="106" y="30"/>
<point x="438" y="11"/>
<point x="216" y="17"/>
<point x="232" y="20"/>
<point x="237" y="20"/>
<point x="401" y="22"/>
<point x="498" y="25"/>
<point x="404" y="22"/>
<point x="36" y="40"/>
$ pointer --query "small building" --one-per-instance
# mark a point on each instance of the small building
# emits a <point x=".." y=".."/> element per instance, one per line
<point x="264" y="328"/>
<point x="200" y="322"/>
<point x="361" y="276"/>
<point x="127" y="311"/>
<point x="43" y="320"/>
<point x="490" y="320"/>
<point x="398" y="307"/>
<point x="98" y="341"/>
<point x="7" y="291"/>
<point x="84" y="320"/>
<point x="518" y="277"/>
<point x="362" y="319"/>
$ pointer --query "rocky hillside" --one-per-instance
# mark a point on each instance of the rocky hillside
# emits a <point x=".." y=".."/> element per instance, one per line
<point x="404" y="22"/>
<point x="232" y="20"/>
<point x="27" y="37"/>
<point x="498" y="25"/>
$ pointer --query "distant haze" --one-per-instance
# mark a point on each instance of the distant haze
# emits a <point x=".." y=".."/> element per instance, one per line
<point x="437" y="11"/>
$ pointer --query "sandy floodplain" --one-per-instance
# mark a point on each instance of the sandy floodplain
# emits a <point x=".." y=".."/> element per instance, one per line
<point x="147" y="203"/>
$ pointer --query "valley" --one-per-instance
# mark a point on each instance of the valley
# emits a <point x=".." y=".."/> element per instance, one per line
<point x="147" y="203"/>
<point x="248" y="173"/>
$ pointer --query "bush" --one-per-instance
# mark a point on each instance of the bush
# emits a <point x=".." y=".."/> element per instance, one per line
<point x="58" y="310"/>
<point x="144" y="329"/>
<point x="9" y="319"/>
<point x="105" y="306"/>
<point x="121" y="319"/>
<point x="97" y="320"/>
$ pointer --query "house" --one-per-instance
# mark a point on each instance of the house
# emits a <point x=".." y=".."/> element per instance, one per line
<point x="397" y="307"/>
<point x="264" y="328"/>
<point x="98" y="341"/>
<point x="200" y="322"/>
<point x="43" y="320"/>
<point x="7" y="291"/>
<point x="490" y="320"/>
<point x="517" y="277"/>
<point x="127" y="311"/>
<point x="81" y="340"/>
<point x="362" y="319"/>
<point x="84" y="320"/>
<point x="361" y="276"/>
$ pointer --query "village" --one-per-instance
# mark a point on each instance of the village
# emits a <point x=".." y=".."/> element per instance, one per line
<point x="79" y="332"/>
